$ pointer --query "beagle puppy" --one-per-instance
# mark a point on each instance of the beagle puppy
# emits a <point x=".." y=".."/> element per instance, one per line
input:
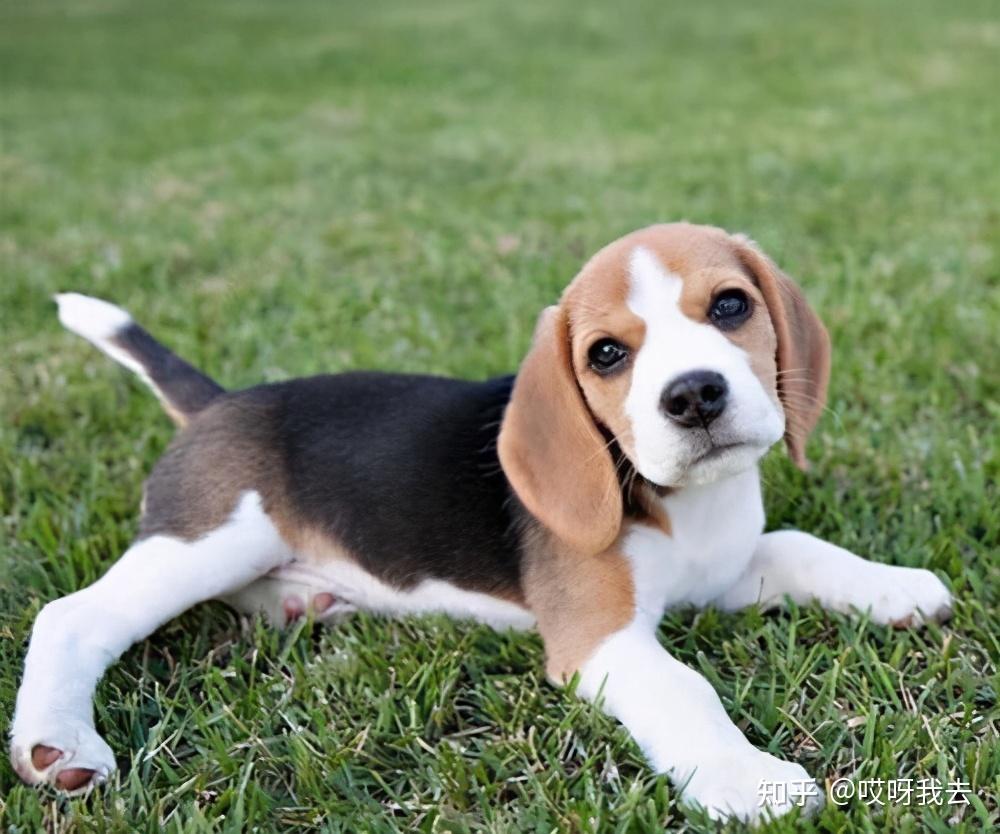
<point x="615" y="476"/>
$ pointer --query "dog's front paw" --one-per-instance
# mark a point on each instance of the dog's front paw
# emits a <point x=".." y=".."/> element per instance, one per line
<point x="752" y="786"/>
<point x="67" y="754"/>
<point x="907" y="597"/>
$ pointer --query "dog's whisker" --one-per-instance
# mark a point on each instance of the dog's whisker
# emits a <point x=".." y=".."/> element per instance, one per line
<point x="384" y="492"/>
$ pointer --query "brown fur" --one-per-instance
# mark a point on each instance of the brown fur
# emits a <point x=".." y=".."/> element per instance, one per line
<point x="556" y="440"/>
<point x="551" y="450"/>
<point x="596" y="308"/>
<point x="756" y="336"/>
<point x="311" y="544"/>
<point x="803" y="349"/>
<point x="708" y="261"/>
<point x="577" y="600"/>
<point x="579" y="592"/>
<point x="786" y="343"/>
<point x="647" y="508"/>
<point x="224" y="452"/>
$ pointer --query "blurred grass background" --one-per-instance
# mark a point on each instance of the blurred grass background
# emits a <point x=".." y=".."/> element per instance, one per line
<point x="278" y="189"/>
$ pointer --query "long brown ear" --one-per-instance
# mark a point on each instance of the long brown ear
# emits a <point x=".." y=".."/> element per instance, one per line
<point x="803" y="349"/>
<point x="551" y="450"/>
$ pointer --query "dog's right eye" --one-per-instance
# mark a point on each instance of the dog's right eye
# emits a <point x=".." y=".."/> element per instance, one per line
<point x="606" y="354"/>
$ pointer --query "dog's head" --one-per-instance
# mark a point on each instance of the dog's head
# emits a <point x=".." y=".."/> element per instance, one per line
<point x="680" y="347"/>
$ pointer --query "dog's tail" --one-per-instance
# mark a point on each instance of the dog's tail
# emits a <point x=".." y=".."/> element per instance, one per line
<point x="182" y="390"/>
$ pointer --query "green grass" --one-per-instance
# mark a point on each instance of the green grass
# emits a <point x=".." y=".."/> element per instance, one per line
<point x="283" y="189"/>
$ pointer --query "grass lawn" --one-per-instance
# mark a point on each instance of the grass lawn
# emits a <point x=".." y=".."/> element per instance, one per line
<point x="284" y="189"/>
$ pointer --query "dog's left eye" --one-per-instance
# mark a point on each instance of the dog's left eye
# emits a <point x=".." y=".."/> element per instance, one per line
<point x="606" y="354"/>
<point x="730" y="308"/>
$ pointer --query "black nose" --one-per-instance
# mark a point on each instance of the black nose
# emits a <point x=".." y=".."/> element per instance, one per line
<point x="695" y="398"/>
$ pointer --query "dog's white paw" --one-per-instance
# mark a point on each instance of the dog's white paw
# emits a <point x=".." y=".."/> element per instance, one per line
<point x="752" y="786"/>
<point x="906" y="597"/>
<point x="66" y="753"/>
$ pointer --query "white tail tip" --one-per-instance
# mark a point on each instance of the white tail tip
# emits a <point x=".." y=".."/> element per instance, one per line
<point x="95" y="320"/>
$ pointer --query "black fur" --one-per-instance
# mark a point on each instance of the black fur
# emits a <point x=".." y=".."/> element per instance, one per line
<point x="402" y="470"/>
<point x="186" y="389"/>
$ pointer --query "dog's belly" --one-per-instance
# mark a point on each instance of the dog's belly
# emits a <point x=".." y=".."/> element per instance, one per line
<point x="339" y="586"/>
<point x="714" y="532"/>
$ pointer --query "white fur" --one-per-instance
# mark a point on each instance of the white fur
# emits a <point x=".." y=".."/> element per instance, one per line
<point x="246" y="562"/>
<point x="99" y="322"/>
<point x="92" y="318"/>
<point x="671" y="710"/>
<point x="706" y="551"/>
<point x="680" y="724"/>
<point x="715" y="552"/>
<point x="75" y="638"/>
<point x="355" y="588"/>
<point x="675" y="344"/>
<point x="806" y="569"/>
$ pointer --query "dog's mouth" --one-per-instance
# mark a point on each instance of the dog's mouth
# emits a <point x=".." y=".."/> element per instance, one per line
<point x="708" y="459"/>
<point x="718" y="450"/>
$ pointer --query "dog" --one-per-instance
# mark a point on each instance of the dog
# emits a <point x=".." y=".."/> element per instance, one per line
<point x="614" y="477"/>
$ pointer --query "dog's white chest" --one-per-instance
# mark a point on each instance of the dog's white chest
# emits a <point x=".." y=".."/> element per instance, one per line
<point x="714" y="530"/>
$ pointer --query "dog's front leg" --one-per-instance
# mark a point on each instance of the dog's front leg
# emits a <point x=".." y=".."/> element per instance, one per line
<point x="587" y="615"/>
<point x="806" y="569"/>
<point x="679" y="722"/>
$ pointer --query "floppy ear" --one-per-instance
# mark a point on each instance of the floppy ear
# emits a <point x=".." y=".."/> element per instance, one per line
<point x="803" y="349"/>
<point x="551" y="450"/>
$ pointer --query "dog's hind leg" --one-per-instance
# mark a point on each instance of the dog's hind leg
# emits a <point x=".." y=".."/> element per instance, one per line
<point x="76" y="638"/>
<point x="286" y="595"/>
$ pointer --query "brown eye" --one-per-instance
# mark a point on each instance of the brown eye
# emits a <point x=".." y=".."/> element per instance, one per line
<point x="730" y="308"/>
<point x="606" y="354"/>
